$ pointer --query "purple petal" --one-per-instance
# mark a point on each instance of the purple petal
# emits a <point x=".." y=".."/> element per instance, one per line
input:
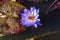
<point x="38" y="23"/>
<point x="38" y="19"/>
<point x="26" y="11"/>
<point x="37" y="11"/>
<point x="32" y="8"/>
<point x="35" y="25"/>
<point x="36" y="16"/>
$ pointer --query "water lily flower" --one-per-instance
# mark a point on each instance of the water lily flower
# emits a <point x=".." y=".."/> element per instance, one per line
<point x="30" y="17"/>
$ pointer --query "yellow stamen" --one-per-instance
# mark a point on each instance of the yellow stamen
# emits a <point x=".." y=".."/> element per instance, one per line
<point x="30" y="18"/>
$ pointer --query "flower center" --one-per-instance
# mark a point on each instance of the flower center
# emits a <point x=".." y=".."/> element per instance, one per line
<point x="30" y="18"/>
